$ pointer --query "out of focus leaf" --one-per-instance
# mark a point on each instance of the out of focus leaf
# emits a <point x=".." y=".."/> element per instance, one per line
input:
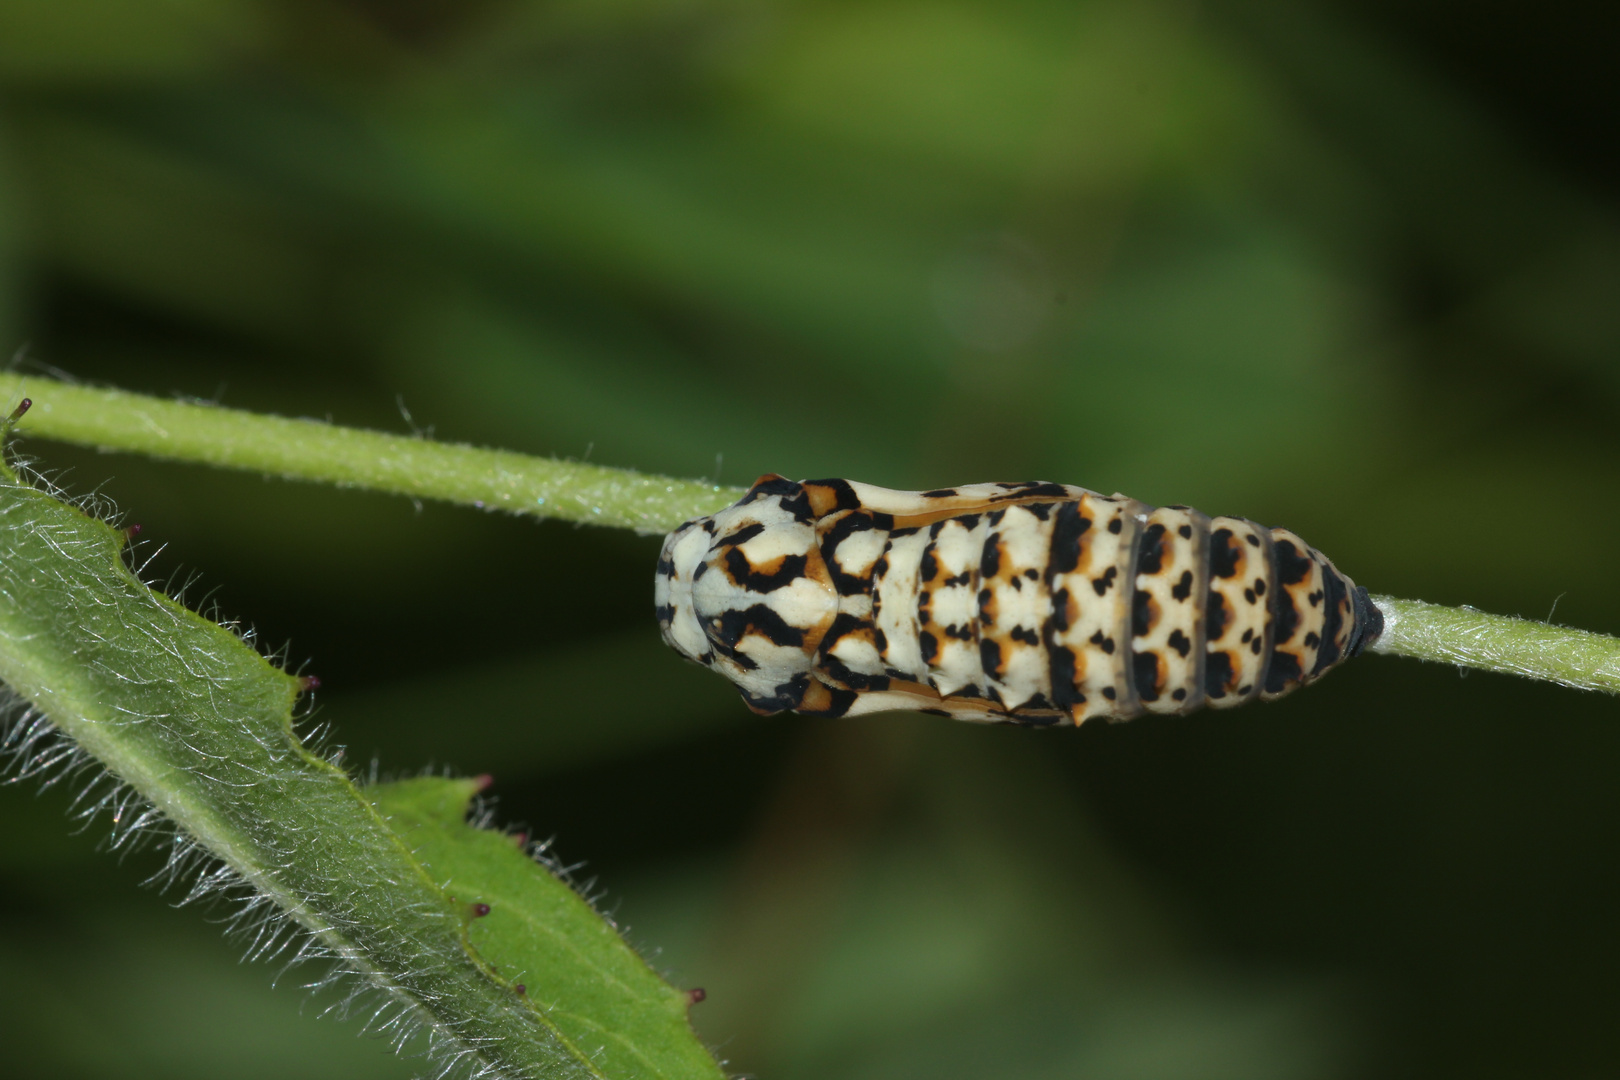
<point x="185" y="1005"/>
<point x="105" y="41"/>
<point x="568" y="708"/>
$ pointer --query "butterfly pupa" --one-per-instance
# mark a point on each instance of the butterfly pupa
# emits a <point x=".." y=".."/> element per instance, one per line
<point x="1031" y="603"/>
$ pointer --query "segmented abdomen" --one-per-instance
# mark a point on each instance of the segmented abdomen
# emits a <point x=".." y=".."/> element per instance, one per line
<point x="1034" y="603"/>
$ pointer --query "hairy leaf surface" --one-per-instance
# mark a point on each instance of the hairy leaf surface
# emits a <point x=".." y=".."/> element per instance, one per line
<point x="197" y="723"/>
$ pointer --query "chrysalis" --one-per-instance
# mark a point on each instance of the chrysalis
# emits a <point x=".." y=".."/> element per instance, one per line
<point x="1028" y="603"/>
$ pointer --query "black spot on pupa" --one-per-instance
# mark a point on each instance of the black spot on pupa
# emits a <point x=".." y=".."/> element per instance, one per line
<point x="1042" y="511"/>
<point x="1223" y="553"/>
<point x="1060" y="662"/>
<point x="1215" y="616"/>
<point x="1285" y="619"/>
<point x="1145" y="668"/>
<point x="1031" y="488"/>
<point x="1143" y="615"/>
<point x="1180" y="642"/>
<point x="1104" y="583"/>
<point x="928" y="646"/>
<point x="1283" y="673"/>
<point x="1185" y="532"/>
<point x="1293" y="567"/>
<point x="1217" y="674"/>
<point x="939" y="493"/>
<point x="1025" y="635"/>
<point x="1183" y="588"/>
<point x="841" y="672"/>
<point x="842" y="626"/>
<point x="1116" y="526"/>
<point x="1108" y="692"/>
<point x="1068" y="526"/>
<point x="761" y="619"/>
<point x="742" y="572"/>
<point x="1103" y="642"/>
<point x="1150" y="559"/>
<point x="990" y="658"/>
<point x="1032" y="574"/>
<point x="990" y="557"/>
<point x="1332" y="621"/>
<point x="1179" y="694"/>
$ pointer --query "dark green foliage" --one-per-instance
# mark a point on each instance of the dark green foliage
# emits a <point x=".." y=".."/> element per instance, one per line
<point x="1348" y="268"/>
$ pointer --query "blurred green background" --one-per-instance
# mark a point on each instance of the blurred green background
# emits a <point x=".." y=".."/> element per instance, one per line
<point x="1350" y="267"/>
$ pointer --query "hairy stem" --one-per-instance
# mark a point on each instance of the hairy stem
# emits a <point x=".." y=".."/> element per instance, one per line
<point x="1501" y="643"/>
<point x="306" y="449"/>
<point x="314" y="450"/>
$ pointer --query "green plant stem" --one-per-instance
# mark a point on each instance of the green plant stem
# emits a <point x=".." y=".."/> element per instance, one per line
<point x="574" y="491"/>
<point x="313" y="450"/>
<point x="1499" y="643"/>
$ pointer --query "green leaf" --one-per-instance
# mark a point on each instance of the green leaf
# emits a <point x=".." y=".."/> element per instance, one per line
<point x="600" y="998"/>
<point x="198" y="724"/>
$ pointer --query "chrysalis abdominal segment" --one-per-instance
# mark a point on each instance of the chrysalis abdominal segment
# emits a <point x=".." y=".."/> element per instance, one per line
<point x="1029" y="603"/>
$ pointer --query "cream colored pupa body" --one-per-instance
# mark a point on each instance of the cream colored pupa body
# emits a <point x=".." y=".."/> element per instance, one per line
<point x="1032" y="603"/>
